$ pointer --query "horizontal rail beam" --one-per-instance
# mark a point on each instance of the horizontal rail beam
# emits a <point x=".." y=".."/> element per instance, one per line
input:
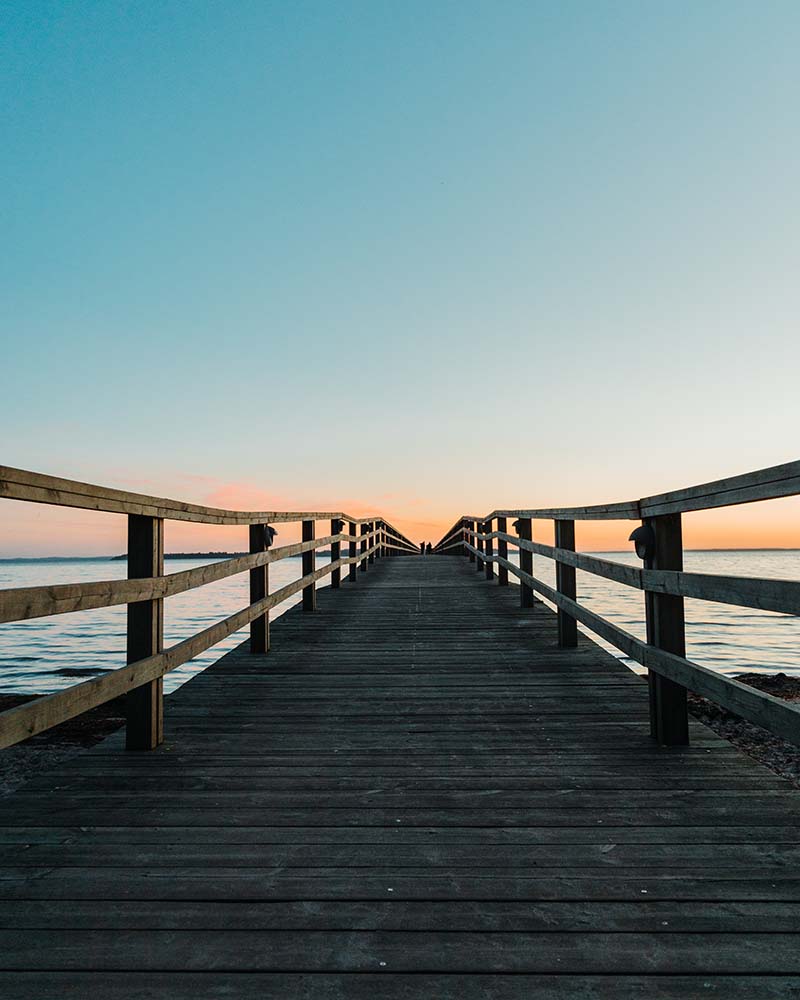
<point x="17" y="724"/>
<point x="781" y="596"/>
<point x="23" y="603"/>
<point x="35" y="487"/>
<point x="763" y="484"/>
<point x="780" y="717"/>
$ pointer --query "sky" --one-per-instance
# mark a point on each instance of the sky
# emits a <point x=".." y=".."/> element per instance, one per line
<point x="422" y="258"/>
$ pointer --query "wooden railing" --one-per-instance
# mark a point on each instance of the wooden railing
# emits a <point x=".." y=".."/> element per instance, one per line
<point x="365" y="539"/>
<point x="663" y="581"/>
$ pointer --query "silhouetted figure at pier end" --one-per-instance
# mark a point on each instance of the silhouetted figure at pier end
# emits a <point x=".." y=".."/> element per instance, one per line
<point x="422" y="548"/>
<point x="429" y="548"/>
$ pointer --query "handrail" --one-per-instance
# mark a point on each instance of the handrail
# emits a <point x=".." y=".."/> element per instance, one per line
<point x="662" y="579"/>
<point x="764" y="484"/>
<point x="35" y="487"/>
<point x="146" y="587"/>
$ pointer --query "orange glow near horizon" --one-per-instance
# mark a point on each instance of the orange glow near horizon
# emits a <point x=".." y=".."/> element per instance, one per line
<point x="28" y="529"/>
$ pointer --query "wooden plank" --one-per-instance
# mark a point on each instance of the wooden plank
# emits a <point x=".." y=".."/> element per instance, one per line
<point x="388" y="985"/>
<point x="35" y="487"/>
<point x="763" y="484"/>
<point x="19" y="604"/>
<point x="357" y="951"/>
<point x="404" y="915"/>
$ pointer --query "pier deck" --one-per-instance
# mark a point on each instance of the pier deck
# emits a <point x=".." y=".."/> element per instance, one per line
<point x="416" y="793"/>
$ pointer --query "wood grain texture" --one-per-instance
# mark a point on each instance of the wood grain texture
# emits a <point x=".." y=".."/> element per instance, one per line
<point x="415" y="794"/>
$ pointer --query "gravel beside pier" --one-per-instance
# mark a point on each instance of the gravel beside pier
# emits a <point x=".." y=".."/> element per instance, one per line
<point x="41" y="753"/>
<point x="775" y="753"/>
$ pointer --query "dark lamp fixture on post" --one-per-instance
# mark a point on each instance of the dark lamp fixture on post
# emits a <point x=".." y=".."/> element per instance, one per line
<point x="644" y="540"/>
<point x="515" y="525"/>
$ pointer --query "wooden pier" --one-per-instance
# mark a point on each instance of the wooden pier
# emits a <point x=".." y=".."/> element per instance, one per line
<point x="424" y="789"/>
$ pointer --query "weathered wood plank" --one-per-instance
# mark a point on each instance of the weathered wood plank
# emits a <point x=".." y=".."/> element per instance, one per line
<point x="418" y="776"/>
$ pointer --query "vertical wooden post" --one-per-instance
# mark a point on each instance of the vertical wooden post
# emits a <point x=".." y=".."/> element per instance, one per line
<point x="502" y="551"/>
<point x="666" y="628"/>
<point x="309" y="562"/>
<point x="464" y="539"/>
<point x="525" y="532"/>
<point x="144" y="706"/>
<point x="352" y="568"/>
<point x="472" y="541"/>
<point x="479" y="547"/>
<point x="565" y="584"/>
<point x="336" y="551"/>
<point x="259" y="588"/>
<point x="363" y="564"/>
<point x="487" y="527"/>
<point x="371" y="529"/>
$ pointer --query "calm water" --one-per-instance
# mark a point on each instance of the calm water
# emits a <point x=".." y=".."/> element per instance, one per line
<point x="46" y="654"/>
<point x="50" y="653"/>
<point x="720" y="636"/>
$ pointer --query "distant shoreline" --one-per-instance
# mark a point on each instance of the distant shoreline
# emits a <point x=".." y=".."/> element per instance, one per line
<point x="122" y="558"/>
<point x="233" y="555"/>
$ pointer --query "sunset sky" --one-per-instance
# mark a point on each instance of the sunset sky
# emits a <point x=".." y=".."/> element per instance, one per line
<point x="422" y="258"/>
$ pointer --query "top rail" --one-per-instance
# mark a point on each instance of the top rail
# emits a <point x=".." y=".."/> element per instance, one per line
<point x="19" y="484"/>
<point x="764" y="484"/>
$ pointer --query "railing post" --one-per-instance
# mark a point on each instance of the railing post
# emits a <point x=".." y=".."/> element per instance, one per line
<point x="525" y="532"/>
<point x="309" y="562"/>
<point x="666" y="629"/>
<point x="487" y="527"/>
<point x="479" y="547"/>
<point x="144" y="705"/>
<point x="464" y="551"/>
<point x="336" y="552"/>
<point x="502" y="551"/>
<point x="565" y="584"/>
<point x="363" y="564"/>
<point x="352" y="568"/>
<point x="259" y="588"/>
<point x="472" y="541"/>
<point x="371" y="529"/>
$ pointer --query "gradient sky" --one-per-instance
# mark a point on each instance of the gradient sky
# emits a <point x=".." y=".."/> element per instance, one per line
<point x="422" y="257"/>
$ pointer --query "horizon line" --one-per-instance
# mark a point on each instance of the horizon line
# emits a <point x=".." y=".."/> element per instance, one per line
<point x="219" y="553"/>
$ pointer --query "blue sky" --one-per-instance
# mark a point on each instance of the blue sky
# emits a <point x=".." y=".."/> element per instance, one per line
<point x="344" y="250"/>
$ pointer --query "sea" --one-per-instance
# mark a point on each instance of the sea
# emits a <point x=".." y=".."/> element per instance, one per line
<point x="43" y="655"/>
